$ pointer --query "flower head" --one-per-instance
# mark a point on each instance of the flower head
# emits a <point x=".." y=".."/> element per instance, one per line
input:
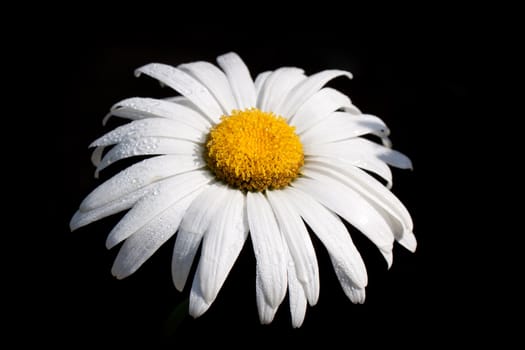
<point x="236" y="159"/>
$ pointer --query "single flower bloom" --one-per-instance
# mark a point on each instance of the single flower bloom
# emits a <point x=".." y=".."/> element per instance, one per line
<point x="236" y="159"/>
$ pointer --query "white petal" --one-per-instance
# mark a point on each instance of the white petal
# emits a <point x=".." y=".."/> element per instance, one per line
<point x="368" y="187"/>
<point x="340" y="126"/>
<point x="150" y="146"/>
<point x="302" y="92"/>
<point x="408" y="240"/>
<point x="372" y="120"/>
<point x="385" y="140"/>
<point x="96" y="156"/>
<point x="215" y="80"/>
<point x="269" y="248"/>
<point x="266" y="311"/>
<point x="277" y="87"/>
<point x="165" y="194"/>
<point x="362" y="160"/>
<point x="333" y="234"/>
<point x="139" y="175"/>
<point x="192" y="229"/>
<point x="298" y="242"/>
<point x="141" y="108"/>
<point x="342" y="152"/>
<point x="259" y="83"/>
<point x="389" y="156"/>
<point x="351" y="206"/>
<point x="357" y="295"/>
<point x="179" y="100"/>
<point x="240" y="80"/>
<point x="365" y="148"/>
<point x="150" y="127"/>
<point x="185" y="85"/>
<point x="222" y="244"/>
<point x="140" y="246"/>
<point x="198" y="305"/>
<point x="319" y="106"/>
<point x="183" y="101"/>
<point x="296" y="296"/>
<point x="82" y="218"/>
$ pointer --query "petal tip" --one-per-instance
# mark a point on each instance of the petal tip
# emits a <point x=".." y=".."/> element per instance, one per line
<point x="297" y="323"/>
<point x="106" y="118"/>
<point x="266" y="311"/>
<point x="357" y="295"/>
<point x="179" y="287"/>
<point x="268" y="317"/>
<point x="75" y="221"/>
<point x="389" y="257"/>
<point x="118" y="272"/>
<point x="110" y="243"/>
<point x="311" y="296"/>
<point x="228" y="56"/>
<point x="198" y="307"/>
<point x="408" y="240"/>
<point x="409" y="164"/>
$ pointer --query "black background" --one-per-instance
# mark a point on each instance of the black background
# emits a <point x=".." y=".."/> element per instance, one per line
<point x="420" y="78"/>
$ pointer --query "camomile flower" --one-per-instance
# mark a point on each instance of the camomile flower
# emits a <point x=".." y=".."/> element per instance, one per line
<point x="237" y="158"/>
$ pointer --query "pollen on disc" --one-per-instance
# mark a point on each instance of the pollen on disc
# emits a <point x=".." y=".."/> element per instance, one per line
<point x="254" y="150"/>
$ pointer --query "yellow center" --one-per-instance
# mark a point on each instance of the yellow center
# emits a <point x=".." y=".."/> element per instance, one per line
<point x="254" y="150"/>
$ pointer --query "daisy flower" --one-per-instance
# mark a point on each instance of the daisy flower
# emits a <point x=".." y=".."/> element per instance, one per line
<point x="237" y="158"/>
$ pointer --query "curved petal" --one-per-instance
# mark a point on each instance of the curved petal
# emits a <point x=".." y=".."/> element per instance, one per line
<point x="277" y="87"/>
<point x="96" y="156"/>
<point x="370" y="119"/>
<point x="356" y="295"/>
<point x="298" y="242"/>
<point x="198" y="305"/>
<point x="240" y="80"/>
<point x="259" y="83"/>
<point x="141" y="246"/>
<point x="364" y="148"/>
<point x="150" y="127"/>
<point x="319" y="106"/>
<point x="186" y="85"/>
<point x="266" y="311"/>
<point x="399" y="224"/>
<point x="149" y="146"/>
<point x="83" y="218"/>
<point x="296" y="296"/>
<point x="366" y="162"/>
<point x="351" y="206"/>
<point x="192" y="229"/>
<point x="340" y="126"/>
<point x="141" y="108"/>
<point x="165" y="194"/>
<point x="386" y="154"/>
<point x="408" y="240"/>
<point x="139" y="175"/>
<point x="269" y="248"/>
<point x="302" y="92"/>
<point x="369" y="188"/>
<point x="347" y="261"/>
<point x="215" y="80"/>
<point x="222" y="244"/>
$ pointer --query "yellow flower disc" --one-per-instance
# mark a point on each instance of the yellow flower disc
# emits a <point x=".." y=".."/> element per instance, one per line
<point x="253" y="151"/>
